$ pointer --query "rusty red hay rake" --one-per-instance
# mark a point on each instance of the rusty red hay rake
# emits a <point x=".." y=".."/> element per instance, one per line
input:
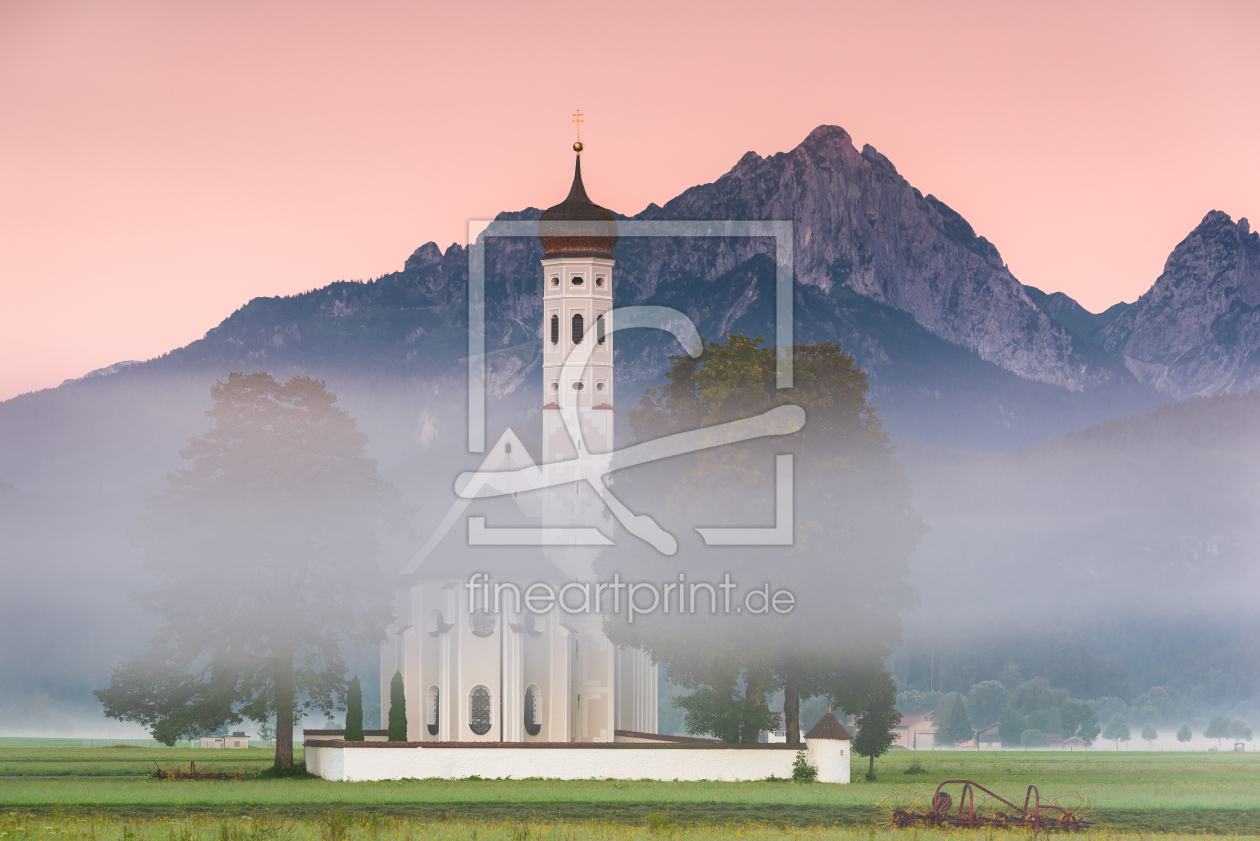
<point x="906" y="810"/>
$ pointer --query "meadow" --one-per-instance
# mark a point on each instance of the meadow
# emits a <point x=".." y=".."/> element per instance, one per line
<point x="1143" y="791"/>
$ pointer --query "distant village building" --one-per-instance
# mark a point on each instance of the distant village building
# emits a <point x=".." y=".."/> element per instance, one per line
<point x="778" y="736"/>
<point x="916" y="730"/>
<point x="236" y="740"/>
<point x="989" y="738"/>
<point x="1075" y="743"/>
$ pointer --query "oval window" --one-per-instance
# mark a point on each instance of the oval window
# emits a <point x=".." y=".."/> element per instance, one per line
<point x="578" y="280"/>
<point x="599" y="280"/>
<point x="579" y="327"/>
<point x="533" y="717"/>
<point x="481" y="623"/>
<point x="555" y="281"/>
<point x="479" y="710"/>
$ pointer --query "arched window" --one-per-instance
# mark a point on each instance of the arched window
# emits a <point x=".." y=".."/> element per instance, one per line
<point x="432" y="711"/>
<point x="479" y="710"/>
<point x="578" y="328"/>
<point x="599" y="329"/>
<point x="533" y="710"/>
<point x="435" y="624"/>
<point x="555" y="329"/>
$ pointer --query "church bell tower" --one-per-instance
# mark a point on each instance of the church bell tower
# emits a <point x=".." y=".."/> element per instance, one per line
<point x="577" y="307"/>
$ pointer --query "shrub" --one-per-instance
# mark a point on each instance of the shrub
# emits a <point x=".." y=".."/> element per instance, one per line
<point x="802" y="771"/>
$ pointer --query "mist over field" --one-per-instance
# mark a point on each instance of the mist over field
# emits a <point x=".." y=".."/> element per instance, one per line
<point x="1110" y="561"/>
<point x="1056" y="508"/>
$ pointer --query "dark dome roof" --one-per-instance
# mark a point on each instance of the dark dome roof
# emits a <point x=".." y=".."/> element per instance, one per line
<point x="578" y="208"/>
<point x="829" y="728"/>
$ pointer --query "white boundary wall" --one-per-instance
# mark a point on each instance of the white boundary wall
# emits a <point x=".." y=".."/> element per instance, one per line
<point x="362" y="761"/>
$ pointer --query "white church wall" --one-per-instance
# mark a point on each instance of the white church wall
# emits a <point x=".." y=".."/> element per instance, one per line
<point x="539" y="670"/>
<point x="830" y="757"/>
<point x="576" y="762"/>
<point x="477" y="666"/>
<point x="511" y="725"/>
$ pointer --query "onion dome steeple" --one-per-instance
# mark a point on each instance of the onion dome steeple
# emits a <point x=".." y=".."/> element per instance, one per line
<point x="559" y="242"/>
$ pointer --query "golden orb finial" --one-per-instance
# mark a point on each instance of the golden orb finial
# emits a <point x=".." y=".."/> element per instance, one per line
<point x="577" y="121"/>
<point x="577" y="147"/>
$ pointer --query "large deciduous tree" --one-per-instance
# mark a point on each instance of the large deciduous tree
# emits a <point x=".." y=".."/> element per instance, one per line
<point x="265" y="549"/>
<point x="853" y="530"/>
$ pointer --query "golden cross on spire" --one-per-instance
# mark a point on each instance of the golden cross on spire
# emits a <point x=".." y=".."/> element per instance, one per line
<point x="577" y="121"/>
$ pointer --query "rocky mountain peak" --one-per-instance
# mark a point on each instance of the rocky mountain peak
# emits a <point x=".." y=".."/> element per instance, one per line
<point x="1196" y="331"/>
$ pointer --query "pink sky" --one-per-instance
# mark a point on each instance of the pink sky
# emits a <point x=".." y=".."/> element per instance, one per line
<point x="162" y="163"/>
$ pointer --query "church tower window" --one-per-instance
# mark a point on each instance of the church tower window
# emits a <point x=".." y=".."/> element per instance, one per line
<point x="578" y="280"/>
<point x="599" y="329"/>
<point x="479" y="710"/>
<point x="555" y="329"/>
<point x="432" y="711"/>
<point x="578" y="328"/>
<point x="532" y="703"/>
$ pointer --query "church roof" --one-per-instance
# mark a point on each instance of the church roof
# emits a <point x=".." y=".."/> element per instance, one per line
<point x="829" y="728"/>
<point x="577" y="207"/>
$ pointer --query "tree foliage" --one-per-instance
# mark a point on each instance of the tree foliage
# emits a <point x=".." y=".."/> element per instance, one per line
<point x="1218" y="728"/>
<point x="397" y="709"/>
<point x="877" y="720"/>
<point x="1239" y="729"/>
<point x="354" y="711"/>
<point x="1033" y="738"/>
<point x="1149" y="734"/>
<point x="854" y="529"/>
<point x="1184" y="735"/>
<point x="265" y="548"/>
<point x="985" y="701"/>
<point x="726" y="715"/>
<point x="954" y="725"/>
<point x="1117" y="730"/>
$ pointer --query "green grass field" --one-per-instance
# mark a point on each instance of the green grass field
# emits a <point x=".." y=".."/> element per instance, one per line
<point x="1178" y="792"/>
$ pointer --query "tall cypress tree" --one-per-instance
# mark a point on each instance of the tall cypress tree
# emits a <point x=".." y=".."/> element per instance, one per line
<point x="354" y="711"/>
<point x="397" y="710"/>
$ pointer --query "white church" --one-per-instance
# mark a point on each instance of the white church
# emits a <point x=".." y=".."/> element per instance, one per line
<point x="488" y="677"/>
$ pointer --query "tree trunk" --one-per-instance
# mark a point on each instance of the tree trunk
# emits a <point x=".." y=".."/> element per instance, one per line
<point x="754" y="694"/>
<point x="870" y="771"/>
<point x="792" y="707"/>
<point x="284" y="711"/>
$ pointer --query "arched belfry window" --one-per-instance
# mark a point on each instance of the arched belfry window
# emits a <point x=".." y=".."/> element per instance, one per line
<point x="479" y="710"/>
<point x="533" y="715"/>
<point x="578" y="328"/>
<point x="431" y="711"/>
<point x="555" y="329"/>
<point x="599" y="329"/>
